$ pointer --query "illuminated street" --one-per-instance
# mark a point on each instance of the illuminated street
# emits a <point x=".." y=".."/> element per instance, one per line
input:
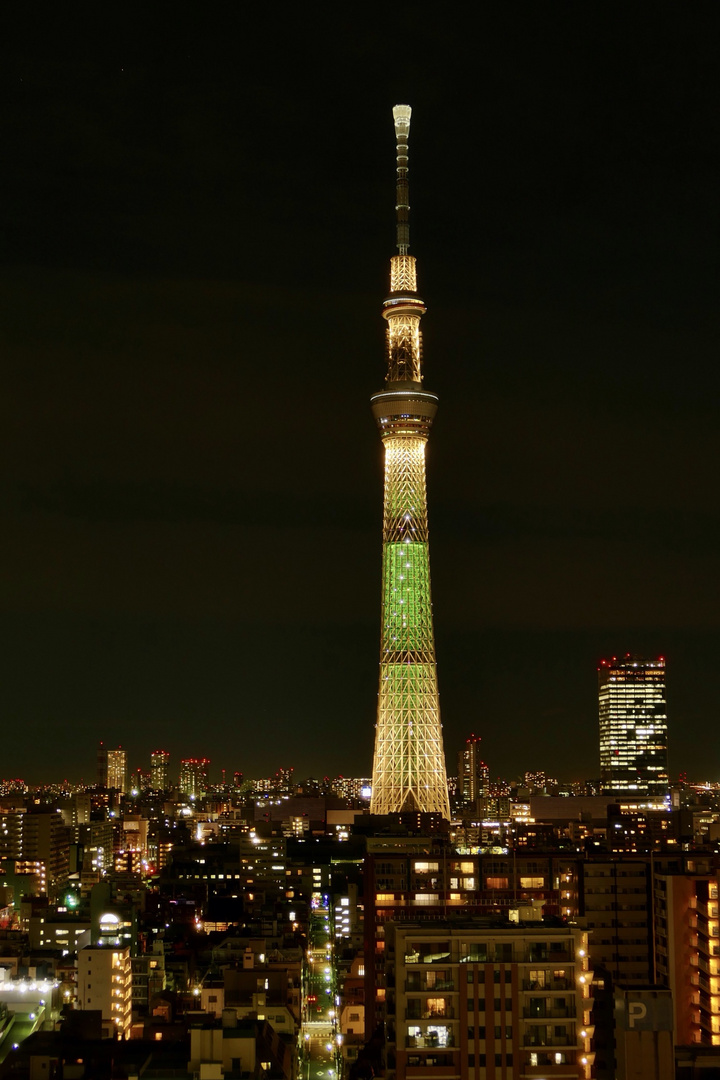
<point x="319" y="1055"/>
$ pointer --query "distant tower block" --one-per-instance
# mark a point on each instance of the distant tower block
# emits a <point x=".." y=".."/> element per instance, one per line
<point x="112" y="768"/>
<point x="473" y="773"/>
<point x="194" y="776"/>
<point x="409" y="763"/>
<point x="160" y="770"/>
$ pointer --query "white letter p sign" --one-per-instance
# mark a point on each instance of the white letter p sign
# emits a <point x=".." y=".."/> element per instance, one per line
<point x="636" y="1011"/>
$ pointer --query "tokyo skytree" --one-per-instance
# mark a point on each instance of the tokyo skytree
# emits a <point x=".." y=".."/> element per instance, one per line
<point x="409" y="762"/>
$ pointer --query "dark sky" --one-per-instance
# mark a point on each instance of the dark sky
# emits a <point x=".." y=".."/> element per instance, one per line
<point x="197" y="217"/>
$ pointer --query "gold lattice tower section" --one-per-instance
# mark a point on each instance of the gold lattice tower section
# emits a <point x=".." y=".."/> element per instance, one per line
<point x="409" y="762"/>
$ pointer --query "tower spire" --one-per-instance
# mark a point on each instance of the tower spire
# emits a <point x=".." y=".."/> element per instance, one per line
<point x="401" y="116"/>
<point x="403" y="308"/>
<point x="409" y="762"/>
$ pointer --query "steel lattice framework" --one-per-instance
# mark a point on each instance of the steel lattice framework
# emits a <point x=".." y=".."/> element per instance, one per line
<point x="409" y="763"/>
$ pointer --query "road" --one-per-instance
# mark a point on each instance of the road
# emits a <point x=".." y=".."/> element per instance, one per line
<point x="320" y="1057"/>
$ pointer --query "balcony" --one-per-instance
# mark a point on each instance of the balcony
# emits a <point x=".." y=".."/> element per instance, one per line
<point x="442" y="956"/>
<point x="429" y="1041"/>
<point x="429" y="1014"/>
<point x="548" y="985"/>
<point x="538" y="1038"/>
<point x="706" y="1023"/>
<point x="419" y="984"/>
<point x="438" y="1070"/>
<point x="432" y="1065"/>
<point x="548" y="1068"/>
<point x="547" y="956"/>
<point x="549" y="1014"/>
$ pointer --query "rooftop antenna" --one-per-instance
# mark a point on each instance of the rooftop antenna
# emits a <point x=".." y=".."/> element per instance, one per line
<point x="401" y="115"/>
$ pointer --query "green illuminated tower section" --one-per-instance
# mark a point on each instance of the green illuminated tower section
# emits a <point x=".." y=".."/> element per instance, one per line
<point x="409" y="762"/>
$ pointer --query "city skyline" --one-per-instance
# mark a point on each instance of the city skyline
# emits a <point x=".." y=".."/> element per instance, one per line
<point x="190" y="333"/>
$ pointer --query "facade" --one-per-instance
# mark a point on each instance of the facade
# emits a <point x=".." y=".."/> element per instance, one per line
<point x="496" y="1001"/>
<point x="46" y="840"/>
<point x="148" y="977"/>
<point x="419" y="880"/>
<point x="11" y="832"/>
<point x="105" y="984"/>
<point x="159" y="770"/>
<point x="633" y="725"/>
<point x="615" y="904"/>
<point x="643" y="1030"/>
<point x="409" y="761"/>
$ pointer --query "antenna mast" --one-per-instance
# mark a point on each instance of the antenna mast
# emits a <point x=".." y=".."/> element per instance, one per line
<point x="401" y="115"/>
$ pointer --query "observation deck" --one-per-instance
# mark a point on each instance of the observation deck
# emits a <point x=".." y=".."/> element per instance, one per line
<point x="404" y="408"/>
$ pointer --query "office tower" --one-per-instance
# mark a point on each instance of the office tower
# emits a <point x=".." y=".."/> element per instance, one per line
<point x="409" y="762"/>
<point x="194" y="776"/>
<point x="633" y="725"/>
<point x="473" y="773"/>
<point x="159" y="770"/>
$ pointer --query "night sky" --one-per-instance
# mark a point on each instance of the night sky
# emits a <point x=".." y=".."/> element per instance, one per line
<point x="197" y="219"/>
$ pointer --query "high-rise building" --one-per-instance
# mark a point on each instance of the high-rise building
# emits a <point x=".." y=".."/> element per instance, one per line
<point x="633" y="725"/>
<point x="112" y="768"/>
<point x="409" y="762"/>
<point x="473" y="773"/>
<point x="194" y="776"/>
<point x="159" y="770"/>
<point x="117" y="770"/>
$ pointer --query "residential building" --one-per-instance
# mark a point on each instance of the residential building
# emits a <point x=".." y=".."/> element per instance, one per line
<point x="423" y="880"/>
<point x="615" y="907"/>
<point x="487" y="1001"/>
<point x="105" y="985"/>
<point x="687" y="946"/>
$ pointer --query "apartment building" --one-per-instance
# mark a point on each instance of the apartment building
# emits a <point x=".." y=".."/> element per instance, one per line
<point x="105" y="984"/>
<point x="500" y="1001"/>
